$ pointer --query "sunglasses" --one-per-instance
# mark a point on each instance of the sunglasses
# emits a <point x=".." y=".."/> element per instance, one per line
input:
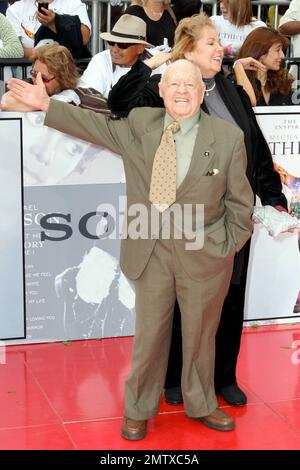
<point x="120" y="45"/>
<point x="34" y="73"/>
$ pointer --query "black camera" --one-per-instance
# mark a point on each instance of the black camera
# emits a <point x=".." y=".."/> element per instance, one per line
<point x="42" y="5"/>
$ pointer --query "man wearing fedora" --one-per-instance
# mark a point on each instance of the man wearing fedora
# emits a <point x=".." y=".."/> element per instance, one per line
<point x="127" y="42"/>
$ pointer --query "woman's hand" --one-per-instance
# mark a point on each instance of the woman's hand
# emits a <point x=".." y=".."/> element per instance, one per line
<point x="158" y="59"/>
<point x="248" y="63"/>
<point x="34" y="96"/>
<point x="240" y="66"/>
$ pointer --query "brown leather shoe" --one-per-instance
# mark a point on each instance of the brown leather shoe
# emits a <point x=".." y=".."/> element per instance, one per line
<point x="134" y="429"/>
<point x="218" y="420"/>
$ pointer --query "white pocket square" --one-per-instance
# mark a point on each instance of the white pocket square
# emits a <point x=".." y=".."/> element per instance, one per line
<point x="213" y="172"/>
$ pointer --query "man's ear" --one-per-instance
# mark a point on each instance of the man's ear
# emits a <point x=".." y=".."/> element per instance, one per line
<point x="141" y="48"/>
<point x="202" y="92"/>
<point x="160" y="89"/>
<point x="203" y="86"/>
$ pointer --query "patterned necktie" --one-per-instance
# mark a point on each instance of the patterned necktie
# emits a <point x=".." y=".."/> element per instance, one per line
<point x="163" y="179"/>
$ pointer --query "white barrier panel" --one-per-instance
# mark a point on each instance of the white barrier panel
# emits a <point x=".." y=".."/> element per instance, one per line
<point x="74" y="193"/>
<point x="274" y="269"/>
<point x="12" y="289"/>
<point x="74" y="285"/>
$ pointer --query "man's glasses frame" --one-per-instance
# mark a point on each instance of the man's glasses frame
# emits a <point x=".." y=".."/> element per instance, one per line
<point x="120" y="45"/>
<point x="34" y="73"/>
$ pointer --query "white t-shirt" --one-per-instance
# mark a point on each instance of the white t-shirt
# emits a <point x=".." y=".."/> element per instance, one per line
<point x="22" y="16"/>
<point x="101" y="74"/>
<point x="293" y="14"/>
<point x="231" y="35"/>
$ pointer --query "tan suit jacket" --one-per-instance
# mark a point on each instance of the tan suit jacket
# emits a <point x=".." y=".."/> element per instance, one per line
<point x="227" y="196"/>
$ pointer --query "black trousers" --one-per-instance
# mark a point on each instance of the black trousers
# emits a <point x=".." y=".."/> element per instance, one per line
<point x="229" y="332"/>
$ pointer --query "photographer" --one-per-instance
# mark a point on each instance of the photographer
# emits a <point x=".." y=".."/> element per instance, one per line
<point x="64" y="22"/>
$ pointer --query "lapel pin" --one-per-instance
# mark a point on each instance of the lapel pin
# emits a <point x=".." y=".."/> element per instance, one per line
<point x="206" y="154"/>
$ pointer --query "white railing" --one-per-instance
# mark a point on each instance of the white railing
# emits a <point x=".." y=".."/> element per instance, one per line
<point x="96" y="14"/>
<point x="214" y="4"/>
<point x="276" y="3"/>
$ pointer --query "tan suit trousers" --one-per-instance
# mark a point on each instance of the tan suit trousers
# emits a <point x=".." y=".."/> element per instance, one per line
<point x="200" y="304"/>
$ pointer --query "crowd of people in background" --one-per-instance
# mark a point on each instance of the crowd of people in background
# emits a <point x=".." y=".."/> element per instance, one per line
<point x="26" y="25"/>
<point x="142" y="41"/>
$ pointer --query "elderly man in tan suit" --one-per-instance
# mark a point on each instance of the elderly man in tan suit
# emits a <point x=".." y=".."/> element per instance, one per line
<point x="210" y="170"/>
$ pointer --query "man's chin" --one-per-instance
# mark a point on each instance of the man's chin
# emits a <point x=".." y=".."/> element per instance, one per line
<point x="118" y="61"/>
<point x="178" y="115"/>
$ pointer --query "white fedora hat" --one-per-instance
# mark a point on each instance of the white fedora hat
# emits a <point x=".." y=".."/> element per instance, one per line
<point x="128" y="29"/>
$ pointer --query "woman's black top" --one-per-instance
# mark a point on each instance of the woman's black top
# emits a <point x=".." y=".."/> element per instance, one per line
<point x="185" y="8"/>
<point x="156" y="30"/>
<point x="276" y="99"/>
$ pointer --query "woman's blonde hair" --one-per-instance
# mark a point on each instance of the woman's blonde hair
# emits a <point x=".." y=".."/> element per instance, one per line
<point x="60" y="62"/>
<point x="188" y="32"/>
<point x="240" y="11"/>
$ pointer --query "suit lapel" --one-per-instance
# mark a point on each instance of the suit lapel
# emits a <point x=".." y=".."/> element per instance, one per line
<point x="151" y="140"/>
<point x="202" y="157"/>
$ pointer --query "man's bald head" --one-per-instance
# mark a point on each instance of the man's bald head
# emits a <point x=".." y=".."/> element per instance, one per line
<point x="185" y="67"/>
<point x="182" y="89"/>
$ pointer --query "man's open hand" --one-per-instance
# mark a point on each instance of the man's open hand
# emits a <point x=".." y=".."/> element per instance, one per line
<point x="34" y="96"/>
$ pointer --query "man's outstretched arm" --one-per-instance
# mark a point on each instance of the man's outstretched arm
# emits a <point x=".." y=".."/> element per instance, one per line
<point x="34" y="96"/>
<point x="72" y="120"/>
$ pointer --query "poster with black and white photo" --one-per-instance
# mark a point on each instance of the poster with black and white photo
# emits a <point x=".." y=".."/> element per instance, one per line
<point x="75" y="288"/>
<point x="74" y="192"/>
<point x="274" y="270"/>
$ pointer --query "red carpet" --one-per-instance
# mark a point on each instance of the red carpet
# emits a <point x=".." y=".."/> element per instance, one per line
<point x="70" y="396"/>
